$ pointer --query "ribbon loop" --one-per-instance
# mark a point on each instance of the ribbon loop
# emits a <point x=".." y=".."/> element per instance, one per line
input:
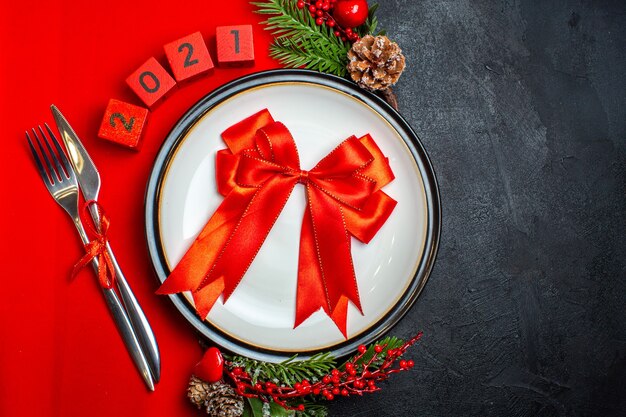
<point x="256" y="174"/>
<point x="97" y="247"/>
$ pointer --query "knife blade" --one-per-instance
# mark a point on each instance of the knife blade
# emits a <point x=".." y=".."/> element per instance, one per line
<point x="89" y="181"/>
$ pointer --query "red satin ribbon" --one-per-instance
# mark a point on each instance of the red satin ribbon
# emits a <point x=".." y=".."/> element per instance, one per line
<point x="256" y="174"/>
<point x="97" y="247"/>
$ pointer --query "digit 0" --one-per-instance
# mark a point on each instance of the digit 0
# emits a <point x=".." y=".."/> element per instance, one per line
<point x="155" y="81"/>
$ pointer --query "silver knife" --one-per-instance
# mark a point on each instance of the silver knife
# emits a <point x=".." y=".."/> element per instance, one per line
<point x="89" y="181"/>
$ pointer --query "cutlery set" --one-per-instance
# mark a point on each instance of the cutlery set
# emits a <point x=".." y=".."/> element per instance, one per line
<point x="65" y="178"/>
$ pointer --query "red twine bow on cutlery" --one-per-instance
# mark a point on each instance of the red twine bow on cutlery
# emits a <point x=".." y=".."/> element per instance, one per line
<point x="256" y="175"/>
<point x="97" y="247"/>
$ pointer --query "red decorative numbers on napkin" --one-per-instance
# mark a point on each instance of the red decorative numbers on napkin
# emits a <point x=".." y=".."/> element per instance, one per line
<point x="256" y="175"/>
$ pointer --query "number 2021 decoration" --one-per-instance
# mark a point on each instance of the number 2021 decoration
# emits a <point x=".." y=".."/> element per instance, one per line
<point x="188" y="59"/>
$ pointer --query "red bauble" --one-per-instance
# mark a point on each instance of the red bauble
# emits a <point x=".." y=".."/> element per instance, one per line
<point x="350" y="13"/>
<point x="211" y="367"/>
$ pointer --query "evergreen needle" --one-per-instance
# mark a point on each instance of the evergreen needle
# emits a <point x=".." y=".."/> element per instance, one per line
<point x="299" y="42"/>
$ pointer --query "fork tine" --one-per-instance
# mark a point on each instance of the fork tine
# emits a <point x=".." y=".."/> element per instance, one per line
<point x="69" y="171"/>
<point x="46" y="159"/>
<point x="42" y="171"/>
<point x="59" y="171"/>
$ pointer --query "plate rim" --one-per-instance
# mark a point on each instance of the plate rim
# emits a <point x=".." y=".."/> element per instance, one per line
<point x="406" y="133"/>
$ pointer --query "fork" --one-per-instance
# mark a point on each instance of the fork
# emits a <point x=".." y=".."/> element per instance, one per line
<point x="62" y="184"/>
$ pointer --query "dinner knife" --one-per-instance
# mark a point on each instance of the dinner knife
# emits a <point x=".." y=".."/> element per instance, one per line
<point x="89" y="181"/>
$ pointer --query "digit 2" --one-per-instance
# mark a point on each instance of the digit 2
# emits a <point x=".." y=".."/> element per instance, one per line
<point x="128" y="125"/>
<point x="188" y="61"/>
<point x="235" y="33"/>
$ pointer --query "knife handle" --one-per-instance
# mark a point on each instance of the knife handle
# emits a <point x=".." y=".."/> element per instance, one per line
<point x="138" y="319"/>
<point x="128" y="335"/>
<point x="121" y="320"/>
<point x="135" y="313"/>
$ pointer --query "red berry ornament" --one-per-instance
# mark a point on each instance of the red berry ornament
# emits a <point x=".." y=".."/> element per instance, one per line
<point x="211" y="367"/>
<point x="350" y="13"/>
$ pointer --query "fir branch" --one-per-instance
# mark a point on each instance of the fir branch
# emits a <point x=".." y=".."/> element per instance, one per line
<point x="254" y="408"/>
<point x="287" y="21"/>
<point x="289" y="371"/>
<point x="312" y="57"/>
<point x="299" y="42"/>
<point x="369" y="27"/>
<point x="312" y="409"/>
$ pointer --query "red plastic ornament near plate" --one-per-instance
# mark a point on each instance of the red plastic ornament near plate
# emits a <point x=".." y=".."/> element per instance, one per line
<point x="211" y="367"/>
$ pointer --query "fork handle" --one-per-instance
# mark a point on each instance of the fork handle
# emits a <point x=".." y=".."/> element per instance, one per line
<point x="121" y="319"/>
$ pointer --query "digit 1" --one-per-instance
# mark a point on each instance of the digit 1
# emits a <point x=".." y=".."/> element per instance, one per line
<point x="157" y="83"/>
<point x="235" y="33"/>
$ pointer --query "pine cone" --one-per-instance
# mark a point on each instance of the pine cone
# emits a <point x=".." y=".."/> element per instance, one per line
<point x="375" y="63"/>
<point x="223" y="401"/>
<point x="197" y="391"/>
<point x="220" y="399"/>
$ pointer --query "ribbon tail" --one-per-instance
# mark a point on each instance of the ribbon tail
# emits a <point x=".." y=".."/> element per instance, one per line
<point x="311" y="294"/>
<point x="250" y="233"/>
<point x="190" y="273"/>
<point x="205" y="298"/>
<point x="106" y="272"/>
<point x="90" y="253"/>
<point x="334" y="255"/>
<point x="339" y="316"/>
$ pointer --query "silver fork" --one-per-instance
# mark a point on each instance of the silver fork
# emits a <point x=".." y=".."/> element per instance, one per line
<point x="62" y="184"/>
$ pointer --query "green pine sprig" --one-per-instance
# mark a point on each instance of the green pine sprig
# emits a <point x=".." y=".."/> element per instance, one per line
<point x="370" y="25"/>
<point x="294" y="370"/>
<point x="299" y="42"/>
<point x="314" y="57"/>
<point x="287" y="372"/>
<point x="313" y="409"/>
<point x="254" y="407"/>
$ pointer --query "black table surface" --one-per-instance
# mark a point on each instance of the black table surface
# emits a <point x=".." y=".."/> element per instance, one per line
<point x="522" y="108"/>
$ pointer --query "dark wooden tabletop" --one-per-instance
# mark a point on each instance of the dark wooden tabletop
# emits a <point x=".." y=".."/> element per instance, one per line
<point x="522" y="108"/>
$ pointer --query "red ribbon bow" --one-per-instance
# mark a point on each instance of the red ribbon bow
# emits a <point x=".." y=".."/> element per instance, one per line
<point x="97" y="247"/>
<point x="256" y="174"/>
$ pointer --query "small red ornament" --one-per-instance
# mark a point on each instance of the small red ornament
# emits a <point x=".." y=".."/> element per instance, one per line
<point x="211" y="367"/>
<point x="350" y="13"/>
